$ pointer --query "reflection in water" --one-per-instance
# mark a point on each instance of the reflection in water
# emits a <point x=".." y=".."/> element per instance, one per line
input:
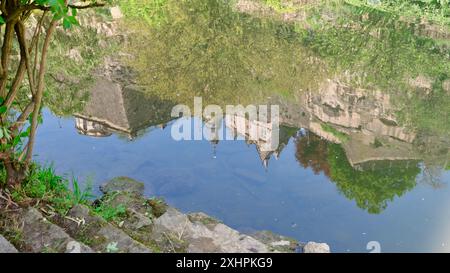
<point x="364" y="105"/>
<point x="372" y="185"/>
<point x="114" y="108"/>
<point x="354" y="139"/>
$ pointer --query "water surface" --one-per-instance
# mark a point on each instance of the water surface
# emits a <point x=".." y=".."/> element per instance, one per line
<point x="363" y="153"/>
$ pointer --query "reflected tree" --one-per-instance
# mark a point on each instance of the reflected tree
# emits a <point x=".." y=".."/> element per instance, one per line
<point x="371" y="189"/>
<point x="312" y="152"/>
<point x="373" y="49"/>
<point x="206" y="48"/>
<point x="26" y="73"/>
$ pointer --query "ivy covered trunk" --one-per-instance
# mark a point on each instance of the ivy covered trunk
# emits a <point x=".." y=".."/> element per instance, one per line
<point x="15" y="173"/>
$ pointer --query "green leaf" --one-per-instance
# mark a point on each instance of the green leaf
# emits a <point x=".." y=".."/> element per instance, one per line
<point x="3" y="109"/>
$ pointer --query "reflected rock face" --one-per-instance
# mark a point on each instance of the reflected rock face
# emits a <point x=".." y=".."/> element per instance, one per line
<point x="353" y="108"/>
<point x="363" y="121"/>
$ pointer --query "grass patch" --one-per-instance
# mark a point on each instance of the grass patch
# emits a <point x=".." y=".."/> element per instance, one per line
<point x="151" y="12"/>
<point x="435" y="11"/>
<point x="110" y="213"/>
<point x="11" y="229"/>
<point x="70" y="78"/>
<point x="330" y="129"/>
<point x="43" y="185"/>
<point x="280" y="5"/>
<point x="377" y="143"/>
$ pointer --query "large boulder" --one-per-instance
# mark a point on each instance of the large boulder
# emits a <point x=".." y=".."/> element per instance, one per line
<point x="200" y="233"/>
<point x="276" y="242"/>
<point x="122" y="184"/>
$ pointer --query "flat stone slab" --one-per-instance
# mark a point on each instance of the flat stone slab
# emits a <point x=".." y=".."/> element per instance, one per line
<point x="203" y="235"/>
<point x="40" y="235"/>
<point x="6" y="247"/>
<point x="277" y="242"/>
<point x="122" y="184"/>
<point x="101" y="235"/>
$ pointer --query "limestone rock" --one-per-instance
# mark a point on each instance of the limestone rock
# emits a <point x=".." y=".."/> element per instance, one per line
<point x="100" y="234"/>
<point x="200" y="237"/>
<point x="137" y="220"/>
<point x="276" y="242"/>
<point x="313" y="247"/>
<point x="6" y="247"/>
<point x="40" y="235"/>
<point x="123" y="184"/>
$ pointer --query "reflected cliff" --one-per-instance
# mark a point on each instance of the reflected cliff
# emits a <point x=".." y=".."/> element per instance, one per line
<point x="364" y="103"/>
<point x="365" y="100"/>
<point x="350" y="135"/>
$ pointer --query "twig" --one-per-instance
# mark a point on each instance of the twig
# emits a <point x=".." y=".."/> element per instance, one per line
<point x="8" y="200"/>
<point x="170" y="241"/>
<point x="79" y="221"/>
<point x="182" y="231"/>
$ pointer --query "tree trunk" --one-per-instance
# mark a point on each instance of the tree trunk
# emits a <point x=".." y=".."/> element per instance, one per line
<point x="15" y="174"/>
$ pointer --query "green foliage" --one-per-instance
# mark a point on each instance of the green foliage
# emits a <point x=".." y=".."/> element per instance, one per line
<point x="379" y="51"/>
<point x="433" y="10"/>
<point x="377" y="143"/>
<point x="69" y="78"/>
<point x="202" y="41"/>
<point x="158" y="206"/>
<point x="330" y="129"/>
<point x="427" y="112"/>
<point x="385" y="59"/>
<point x="58" y="8"/>
<point x="42" y="183"/>
<point x="371" y="189"/>
<point x="108" y="211"/>
<point x="153" y="12"/>
<point x="280" y="5"/>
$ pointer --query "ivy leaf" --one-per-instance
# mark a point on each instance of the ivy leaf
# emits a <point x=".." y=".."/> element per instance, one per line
<point x="3" y="109"/>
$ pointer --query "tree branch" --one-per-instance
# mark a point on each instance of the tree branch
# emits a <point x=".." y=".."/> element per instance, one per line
<point x="6" y="55"/>
<point x="40" y="89"/>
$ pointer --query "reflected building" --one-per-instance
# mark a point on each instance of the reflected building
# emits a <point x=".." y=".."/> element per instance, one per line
<point x="113" y="108"/>
<point x="268" y="138"/>
<point x="91" y="128"/>
<point x="362" y="121"/>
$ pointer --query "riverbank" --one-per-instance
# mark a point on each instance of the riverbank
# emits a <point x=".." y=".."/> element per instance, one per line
<point x="124" y="221"/>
